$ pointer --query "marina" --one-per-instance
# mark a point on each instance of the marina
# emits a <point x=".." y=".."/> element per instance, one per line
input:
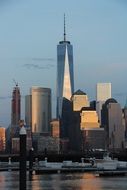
<point x="95" y="174"/>
<point x="105" y="166"/>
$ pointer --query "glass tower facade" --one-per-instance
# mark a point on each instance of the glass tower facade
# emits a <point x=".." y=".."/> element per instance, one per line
<point x="65" y="76"/>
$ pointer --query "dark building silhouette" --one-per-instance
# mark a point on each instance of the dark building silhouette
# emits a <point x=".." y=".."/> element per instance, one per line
<point x="66" y="118"/>
<point x="70" y="128"/>
<point x="125" y="117"/>
<point x="93" y="104"/>
<point x="104" y="113"/>
<point x="70" y="132"/>
<point x="15" y="106"/>
<point x="75" y="132"/>
<point x="105" y="119"/>
<point x="112" y="121"/>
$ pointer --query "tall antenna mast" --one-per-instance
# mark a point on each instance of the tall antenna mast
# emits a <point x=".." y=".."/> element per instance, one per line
<point x="64" y="29"/>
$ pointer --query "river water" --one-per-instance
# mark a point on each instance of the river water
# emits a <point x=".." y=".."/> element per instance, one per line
<point x="75" y="181"/>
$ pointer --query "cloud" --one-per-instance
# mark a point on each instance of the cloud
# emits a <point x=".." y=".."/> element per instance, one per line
<point x="39" y="63"/>
<point x="40" y="59"/>
<point x="37" y="66"/>
<point x="31" y="66"/>
<point x="5" y="97"/>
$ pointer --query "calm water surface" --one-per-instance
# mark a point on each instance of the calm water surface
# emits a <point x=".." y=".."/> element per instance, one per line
<point x="77" y="181"/>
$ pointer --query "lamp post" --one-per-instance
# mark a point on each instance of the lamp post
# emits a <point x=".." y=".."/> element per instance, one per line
<point x="22" y="169"/>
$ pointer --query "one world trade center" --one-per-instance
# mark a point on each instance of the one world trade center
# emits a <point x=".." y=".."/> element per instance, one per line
<point x="65" y="75"/>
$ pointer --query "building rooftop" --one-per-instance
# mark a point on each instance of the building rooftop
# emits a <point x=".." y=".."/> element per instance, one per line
<point x="79" y="92"/>
<point x="110" y="100"/>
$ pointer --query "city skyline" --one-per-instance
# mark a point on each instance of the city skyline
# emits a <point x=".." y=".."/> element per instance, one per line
<point x="29" y="35"/>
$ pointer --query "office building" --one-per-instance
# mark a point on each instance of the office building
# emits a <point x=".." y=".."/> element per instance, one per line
<point x="16" y="106"/>
<point x="28" y="109"/>
<point x="2" y="139"/>
<point x="55" y="128"/>
<point x="79" y="99"/>
<point x="65" y="75"/>
<point x="16" y="142"/>
<point x="48" y="144"/>
<point x="125" y="122"/>
<point x="103" y="92"/>
<point x="70" y="121"/>
<point x="40" y="109"/>
<point x="66" y="118"/>
<point x="92" y="134"/>
<point x="89" y="119"/>
<point x="112" y="121"/>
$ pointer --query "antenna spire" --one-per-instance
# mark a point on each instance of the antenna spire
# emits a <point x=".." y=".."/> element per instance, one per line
<point x="64" y="29"/>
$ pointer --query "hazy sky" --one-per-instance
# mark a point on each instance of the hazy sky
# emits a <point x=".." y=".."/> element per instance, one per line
<point x="30" y="31"/>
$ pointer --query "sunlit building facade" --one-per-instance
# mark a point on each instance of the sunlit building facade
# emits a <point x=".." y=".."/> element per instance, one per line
<point x="103" y="92"/>
<point x="65" y="76"/>
<point x="79" y="99"/>
<point x="92" y="135"/>
<point x="2" y="139"/>
<point x="40" y="109"/>
<point x="89" y="119"/>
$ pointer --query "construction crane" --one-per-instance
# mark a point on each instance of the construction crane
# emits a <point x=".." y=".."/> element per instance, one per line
<point x="16" y="83"/>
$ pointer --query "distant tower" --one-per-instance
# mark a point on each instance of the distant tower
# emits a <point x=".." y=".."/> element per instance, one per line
<point x="80" y="100"/>
<point x="103" y="92"/>
<point x="2" y="139"/>
<point x="40" y="109"/>
<point x="112" y="121"/>
<point x="16" y="105"/>
<point x="65" y="76"/>
<point x="28" y="110"/>
<point x="125" y="116"/>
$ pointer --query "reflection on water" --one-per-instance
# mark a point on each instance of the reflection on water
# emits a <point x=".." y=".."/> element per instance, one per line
<point x="77" y="181"/>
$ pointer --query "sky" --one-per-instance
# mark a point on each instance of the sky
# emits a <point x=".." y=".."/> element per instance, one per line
<point x="30" y="31"/>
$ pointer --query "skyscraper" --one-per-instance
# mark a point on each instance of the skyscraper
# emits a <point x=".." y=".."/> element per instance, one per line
<point x="2" y="139"/>
<point x="65" y="76"/>
<point x="112" y="121"/>
<point x="16" y="105"/>
<point x="40" y="109"/>
<point x="103" y="92"/>
<point x="28" y="110"/>
<point x="79" y="99"/>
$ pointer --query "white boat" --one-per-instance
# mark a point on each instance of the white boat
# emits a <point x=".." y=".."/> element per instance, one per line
<point x="107" y="163"/>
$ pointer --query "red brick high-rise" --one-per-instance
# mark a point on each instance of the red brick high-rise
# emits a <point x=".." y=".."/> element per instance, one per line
<point x="16" y="105"/>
